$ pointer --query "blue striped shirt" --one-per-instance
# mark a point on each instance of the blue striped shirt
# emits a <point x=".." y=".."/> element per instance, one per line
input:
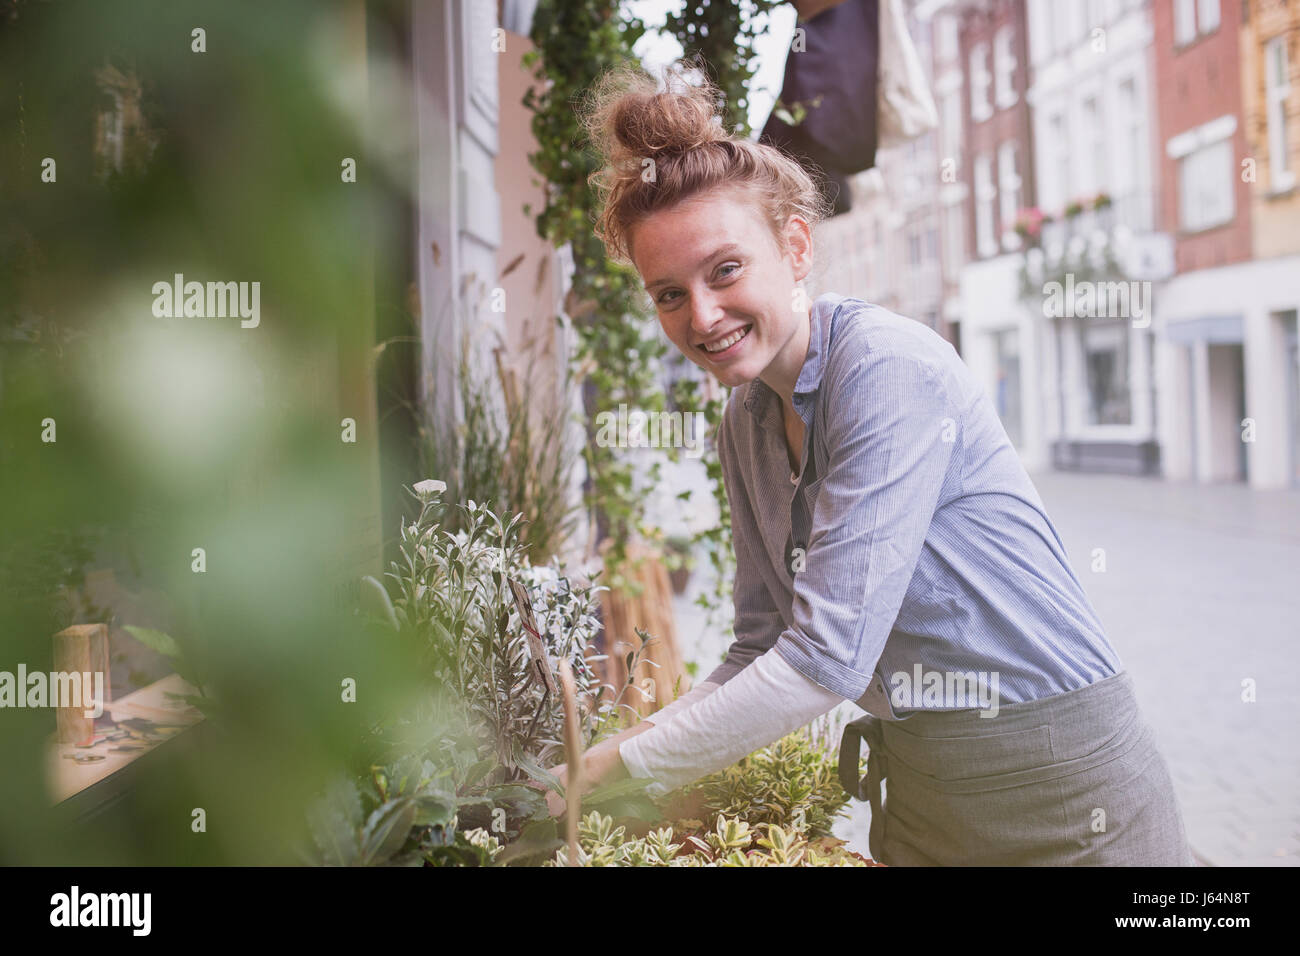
<point x="913" y="541"/>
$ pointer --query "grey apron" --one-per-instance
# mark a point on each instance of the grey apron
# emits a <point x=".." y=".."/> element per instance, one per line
<point x="1075" y="779"/>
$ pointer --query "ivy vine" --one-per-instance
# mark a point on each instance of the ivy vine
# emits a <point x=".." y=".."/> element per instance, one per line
<point x="619" y="348"/>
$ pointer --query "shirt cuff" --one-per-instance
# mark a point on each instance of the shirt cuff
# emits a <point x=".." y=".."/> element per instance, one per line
<point x="763" y="703"/>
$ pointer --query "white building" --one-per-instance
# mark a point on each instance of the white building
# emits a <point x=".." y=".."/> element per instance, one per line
<point x="1093" y="126"/>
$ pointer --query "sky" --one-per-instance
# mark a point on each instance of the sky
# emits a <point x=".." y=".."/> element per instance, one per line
<point x="770" y="51"/>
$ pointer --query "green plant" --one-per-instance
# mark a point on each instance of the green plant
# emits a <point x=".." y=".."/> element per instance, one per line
<point x="453" y="596"/>
<point x="775" y="807"/>
<point x="790" y="783"/>
<point x="617" y="344"/>
<point x="459" y="762"/>
<point x="184" y="658"/>
<point x="505" y="456"/>
<point x="730" y="842"/>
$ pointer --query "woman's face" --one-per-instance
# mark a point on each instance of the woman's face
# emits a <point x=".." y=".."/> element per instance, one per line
<point x="713" y="270"/>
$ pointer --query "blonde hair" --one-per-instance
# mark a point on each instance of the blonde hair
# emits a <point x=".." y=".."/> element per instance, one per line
<point x="629" y="120"/>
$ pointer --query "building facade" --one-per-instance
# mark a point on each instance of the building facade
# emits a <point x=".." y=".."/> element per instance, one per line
<point x="1205" y="206"/>
<point x="1269" y="43"/>
<point x="1094" y="271"/>
<point x="1000" y="336"/>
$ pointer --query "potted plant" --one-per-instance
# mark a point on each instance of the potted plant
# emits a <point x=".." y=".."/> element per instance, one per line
<point x="1029" y="224"/>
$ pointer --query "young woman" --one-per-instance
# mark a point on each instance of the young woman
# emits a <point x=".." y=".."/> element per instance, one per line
<point x="890" y="548"/>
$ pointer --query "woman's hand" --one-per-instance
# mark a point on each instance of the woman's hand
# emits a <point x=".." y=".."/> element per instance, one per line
<point x="601" y="764"/>
<point x="554" y="802"/>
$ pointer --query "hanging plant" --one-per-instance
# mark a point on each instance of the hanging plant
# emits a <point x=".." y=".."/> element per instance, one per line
<point x="618" y="345"/>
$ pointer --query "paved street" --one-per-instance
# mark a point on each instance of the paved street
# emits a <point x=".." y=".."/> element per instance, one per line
<point x="1200" y="592"/>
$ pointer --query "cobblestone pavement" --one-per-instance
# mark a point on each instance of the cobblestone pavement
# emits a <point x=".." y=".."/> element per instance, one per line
<point x="1200" y="592"/>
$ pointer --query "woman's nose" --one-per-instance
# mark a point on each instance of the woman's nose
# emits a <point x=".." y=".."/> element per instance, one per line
<point x="706" y="312"/>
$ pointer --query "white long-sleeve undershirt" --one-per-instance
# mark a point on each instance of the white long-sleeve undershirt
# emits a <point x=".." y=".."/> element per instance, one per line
<point x="759" y="705"/>
<point x="665" y="713"/>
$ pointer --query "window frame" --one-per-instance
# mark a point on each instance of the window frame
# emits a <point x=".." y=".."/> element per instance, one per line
<point x="1281" y="176"/>
<point x="1198" y="162"/>
<point x="1009" y="183"/>
<point x="985" y="194"/>
<point x="1004" y="68"/>
<point x="981" y="83"/>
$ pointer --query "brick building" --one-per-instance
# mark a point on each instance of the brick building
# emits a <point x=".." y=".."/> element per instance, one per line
<point x="999" y="333"/>
<point x="1222" y="319"/>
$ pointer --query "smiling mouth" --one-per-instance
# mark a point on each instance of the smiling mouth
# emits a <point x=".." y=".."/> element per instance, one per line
<point x="724" y="346"/>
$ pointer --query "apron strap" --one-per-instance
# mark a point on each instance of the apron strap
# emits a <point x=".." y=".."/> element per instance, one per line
<point x="867" y="788"/>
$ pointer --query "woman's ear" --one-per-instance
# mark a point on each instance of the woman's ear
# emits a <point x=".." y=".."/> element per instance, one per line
<point x="799" y="246"/>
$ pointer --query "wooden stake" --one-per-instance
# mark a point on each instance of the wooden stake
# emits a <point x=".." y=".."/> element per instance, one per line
<point x="573" y="747"/>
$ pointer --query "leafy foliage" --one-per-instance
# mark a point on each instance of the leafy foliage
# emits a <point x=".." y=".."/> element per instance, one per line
<point x="453" y="596"/>
<point x="789" y="783"/>
<point x="774" y="807"/>
<point x="459" y="760"/>
<point x="516" y="461"/>
<point x="731" y="842"/>
<point x="617" y="341"/>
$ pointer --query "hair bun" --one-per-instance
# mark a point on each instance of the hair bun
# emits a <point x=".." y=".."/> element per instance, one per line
<point x="661" y="143"/>
<point x="641" y="121"/>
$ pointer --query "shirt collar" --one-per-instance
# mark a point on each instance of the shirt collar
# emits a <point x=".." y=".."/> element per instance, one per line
<point x="763" y="403"/>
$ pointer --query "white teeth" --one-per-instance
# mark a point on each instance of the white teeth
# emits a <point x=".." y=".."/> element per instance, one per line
<point x="729" y="341"/>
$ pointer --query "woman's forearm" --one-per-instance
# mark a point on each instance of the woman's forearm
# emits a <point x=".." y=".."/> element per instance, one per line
<point x="761" y="704"/>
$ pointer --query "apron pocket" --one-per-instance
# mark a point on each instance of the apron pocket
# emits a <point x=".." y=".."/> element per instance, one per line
<point x="976" y="762"/>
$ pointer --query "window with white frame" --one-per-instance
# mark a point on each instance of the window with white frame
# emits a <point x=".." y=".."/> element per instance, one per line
<point x="950" y="106"/>
<point x="1060" y="166"/>
<point x="985" y="195"/>
<point x="1063" y="23"/>
<point x="954" y="239"/>
<point x="1277" y="87"/>
<point x="1106" y="371"/>
<point x="1094" y="178"/>
<point x="1207" y="15"/>
<point x="1194" y="18"/>
<point x="945" y="38"/>
<point x="1205" y="186"/>
<point x="1004" y="67"/>
<point x="980" y="81"/>
<point x="1129" y="152"/>
<point x="1039" y="15"/>
<point x="1129" y="172"/>
<point x="1184" y="21"/>
<point x="1008" y="186"/>
<point x="1007" y="396"/>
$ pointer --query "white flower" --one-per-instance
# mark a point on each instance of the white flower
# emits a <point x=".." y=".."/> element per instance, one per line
<point x="430" y="486"/>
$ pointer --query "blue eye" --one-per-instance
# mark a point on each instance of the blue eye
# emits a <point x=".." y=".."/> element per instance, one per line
<point x="664" y="300"/>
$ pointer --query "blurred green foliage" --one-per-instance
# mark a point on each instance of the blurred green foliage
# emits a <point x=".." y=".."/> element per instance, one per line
<point x="178" y="433"/>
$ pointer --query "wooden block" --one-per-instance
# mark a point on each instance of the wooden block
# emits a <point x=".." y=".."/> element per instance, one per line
<point x="82" y="648"/>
